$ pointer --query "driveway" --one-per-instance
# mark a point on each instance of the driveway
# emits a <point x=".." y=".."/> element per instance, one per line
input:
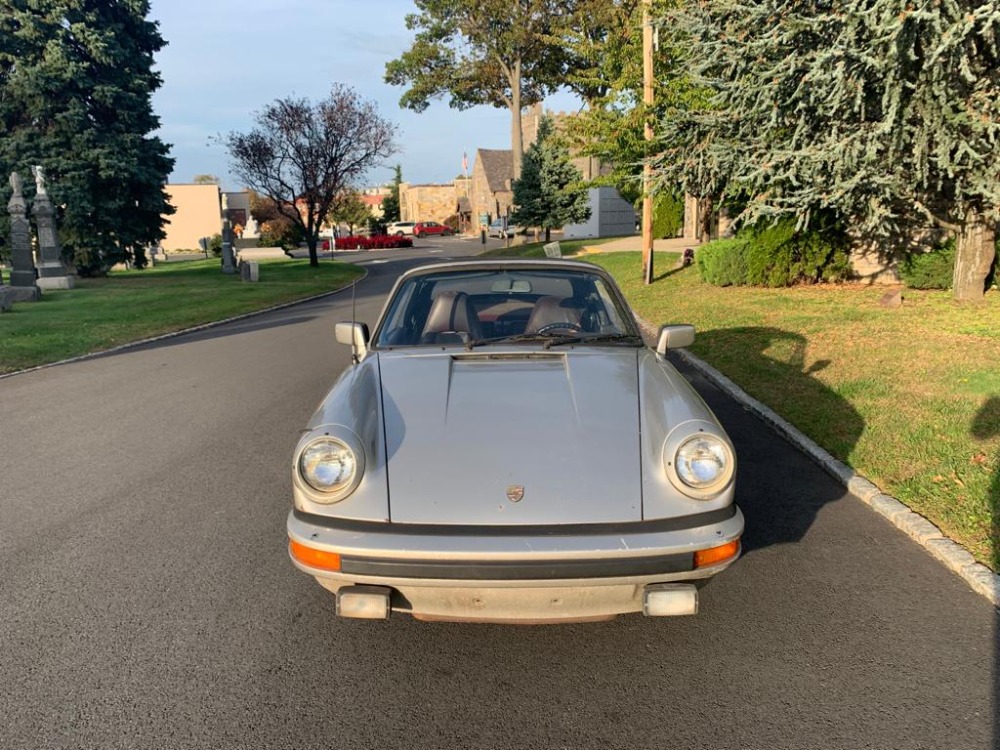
<point x="147" y="601"/>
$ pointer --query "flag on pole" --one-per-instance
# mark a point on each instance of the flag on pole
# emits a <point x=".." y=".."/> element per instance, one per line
<point x="465" y="163"/>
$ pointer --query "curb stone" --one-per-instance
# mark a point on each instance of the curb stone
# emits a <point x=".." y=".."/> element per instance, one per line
<point x="183" y="331"/>
<point x="953" y="556"/>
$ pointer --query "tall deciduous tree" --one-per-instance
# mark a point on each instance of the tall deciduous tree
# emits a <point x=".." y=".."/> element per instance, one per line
<point x="600" y="44"/>
<point x="605" y="69"/>
<point x="303" y="155"/>
<point x="350" y="209"/>
<point x="76" y="80"/>
<point x="495" y="52"/>
<point x="276" y="229"/>
<point x="885" y="111"/>
<point x="550" y="192"/>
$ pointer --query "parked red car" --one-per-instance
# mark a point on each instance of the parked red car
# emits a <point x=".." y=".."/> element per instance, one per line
<point x="424" y="228"/>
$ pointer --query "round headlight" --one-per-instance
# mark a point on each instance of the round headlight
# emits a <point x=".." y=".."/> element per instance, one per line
<point x="702" y="462"/>
<point x="328" y="465"/>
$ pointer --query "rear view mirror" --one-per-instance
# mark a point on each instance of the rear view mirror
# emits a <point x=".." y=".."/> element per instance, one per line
<point x="674" y="337"/>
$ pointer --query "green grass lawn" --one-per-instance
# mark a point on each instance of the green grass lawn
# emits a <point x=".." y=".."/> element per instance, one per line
<point x="909" y="397"/>
<point x="130" y="305"/>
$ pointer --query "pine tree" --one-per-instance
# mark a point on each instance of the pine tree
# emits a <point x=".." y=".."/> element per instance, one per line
<point x="529" y="204"/>
<point x="550" y="193"/>
<point x="885" y="112"/>
<point x="390" y="205"/>
<point x="76" y="81"/>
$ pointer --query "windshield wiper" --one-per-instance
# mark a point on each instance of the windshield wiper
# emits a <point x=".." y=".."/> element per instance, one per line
<point x="555" y="339"/>
<point x="601" y="338"/>
<point x="547" y="337"/>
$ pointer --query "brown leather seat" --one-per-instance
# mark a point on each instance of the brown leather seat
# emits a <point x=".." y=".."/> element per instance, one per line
<point x="553" y="311"/>
<point x="451" y="315"/>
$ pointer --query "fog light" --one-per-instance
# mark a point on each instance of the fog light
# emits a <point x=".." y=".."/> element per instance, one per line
<point x="670" y="600"/>
<point x="364" y="602"/>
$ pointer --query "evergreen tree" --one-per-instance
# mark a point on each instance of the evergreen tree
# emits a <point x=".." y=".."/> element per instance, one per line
<point x="390" y="205"/>
<point x="529" y="205"/>
<point x="550" y="193"/>
<point x="885" y="112"/>
<point x="76" y="80"/>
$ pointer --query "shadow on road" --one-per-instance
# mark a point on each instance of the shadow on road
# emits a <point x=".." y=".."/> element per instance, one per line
<point x="779" y="508"/>
<point x="222" y="331"/>
<point x="985" y="426"/>
<point x="296" y="313"/>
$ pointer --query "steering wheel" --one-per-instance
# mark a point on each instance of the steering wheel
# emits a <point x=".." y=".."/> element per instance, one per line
<point x="565" y="325"/>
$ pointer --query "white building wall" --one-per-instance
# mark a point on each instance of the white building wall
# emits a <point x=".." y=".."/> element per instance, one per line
<point x="610" y="216"/>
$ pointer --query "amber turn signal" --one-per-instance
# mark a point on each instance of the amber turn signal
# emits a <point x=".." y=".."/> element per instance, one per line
<point x="715" y="555"/>
<point x="314" y="558"/>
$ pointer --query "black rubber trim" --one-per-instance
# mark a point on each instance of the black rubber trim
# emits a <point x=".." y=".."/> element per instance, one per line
<point x="519" y="570"/>
<point x="547" y="530"/>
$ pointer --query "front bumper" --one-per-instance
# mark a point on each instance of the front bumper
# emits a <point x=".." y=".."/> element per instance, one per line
<point x="542" y="574"/>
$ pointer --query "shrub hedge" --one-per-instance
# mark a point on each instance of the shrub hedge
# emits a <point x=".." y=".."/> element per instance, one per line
<point x="378" y="242"/>
<point x="776" y="255"/>
<point x="930" y="270"/>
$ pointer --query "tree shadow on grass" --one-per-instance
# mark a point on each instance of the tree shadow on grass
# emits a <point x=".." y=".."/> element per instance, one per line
<point x="674" y="268"/>
<point x="986" y="425"/>
<point x="776" y="489"/>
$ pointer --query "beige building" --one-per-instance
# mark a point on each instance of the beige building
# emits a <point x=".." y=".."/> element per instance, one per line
<point x="198" y="214"/>
<point x="491" y="194"/>
<point x="434" y="202"/>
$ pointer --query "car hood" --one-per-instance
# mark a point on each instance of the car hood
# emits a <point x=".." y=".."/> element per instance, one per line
<point x="518" y="437"/>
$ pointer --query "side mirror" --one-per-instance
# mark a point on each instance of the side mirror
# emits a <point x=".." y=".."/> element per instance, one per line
<point x="353" y="334"/>
<point x="674" y="337"/>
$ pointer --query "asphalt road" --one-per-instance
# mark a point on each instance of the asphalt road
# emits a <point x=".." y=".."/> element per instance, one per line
<point x="146" y="599"/>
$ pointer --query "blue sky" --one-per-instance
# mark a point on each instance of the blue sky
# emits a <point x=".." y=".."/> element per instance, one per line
<point x="226" y="58"/>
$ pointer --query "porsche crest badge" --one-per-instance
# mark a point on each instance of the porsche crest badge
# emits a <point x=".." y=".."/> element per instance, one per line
<point x="515" y="493"/>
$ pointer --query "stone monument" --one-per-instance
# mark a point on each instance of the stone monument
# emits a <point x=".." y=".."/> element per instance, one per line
<point x="22" y="274"/>
<point x="52" y="274"/>
<point x="228" y="265"/>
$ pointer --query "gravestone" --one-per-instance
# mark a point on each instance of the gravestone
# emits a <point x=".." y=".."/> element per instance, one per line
<point x="892" y="299"/>
<point x="249" y="270"/>
<point x="22" y="274"/>
<point x="52" y="274"/>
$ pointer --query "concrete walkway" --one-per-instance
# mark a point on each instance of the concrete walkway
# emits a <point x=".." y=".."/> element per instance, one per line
<point x="623" y="244"/>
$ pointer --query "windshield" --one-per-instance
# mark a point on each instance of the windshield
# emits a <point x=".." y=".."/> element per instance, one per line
<point x="463" y="307"/>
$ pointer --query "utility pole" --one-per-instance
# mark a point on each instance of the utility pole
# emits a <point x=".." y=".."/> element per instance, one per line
<point x="647" y="170"/>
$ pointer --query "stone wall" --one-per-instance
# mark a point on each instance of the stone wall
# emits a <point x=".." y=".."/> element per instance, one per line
<point x="431" y="202"/>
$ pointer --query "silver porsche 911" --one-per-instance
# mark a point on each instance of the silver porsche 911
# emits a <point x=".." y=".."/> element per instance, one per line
<point x="506" y="449"/>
